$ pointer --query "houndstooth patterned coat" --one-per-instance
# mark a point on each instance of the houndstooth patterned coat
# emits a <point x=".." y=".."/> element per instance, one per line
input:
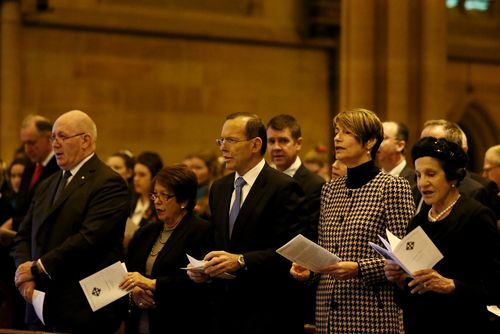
<point x="349" y="218"/>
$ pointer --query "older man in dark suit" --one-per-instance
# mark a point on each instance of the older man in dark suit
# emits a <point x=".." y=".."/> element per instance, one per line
<point x="254" y="211"/>
<point x="74" y="227"/>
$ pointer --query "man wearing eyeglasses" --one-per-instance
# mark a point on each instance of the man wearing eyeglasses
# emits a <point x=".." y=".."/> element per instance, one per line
<point x="268" y="213"/>
<point x="73" y="228"/>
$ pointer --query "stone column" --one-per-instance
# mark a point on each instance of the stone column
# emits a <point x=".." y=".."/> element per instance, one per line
<point x="10" y="77"/>
<point x="393" y="59"/>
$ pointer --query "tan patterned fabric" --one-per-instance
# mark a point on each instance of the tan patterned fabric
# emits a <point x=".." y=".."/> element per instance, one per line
<point x="350" y="218"/>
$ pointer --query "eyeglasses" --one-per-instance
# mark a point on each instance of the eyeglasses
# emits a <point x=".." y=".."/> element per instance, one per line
<point x="229" y="141"/>
<point x="161" y="196"/>
<point x="61" y="138"/>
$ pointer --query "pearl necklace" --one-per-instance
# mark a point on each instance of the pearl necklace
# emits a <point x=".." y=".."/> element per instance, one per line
<point x="442" y="213"/>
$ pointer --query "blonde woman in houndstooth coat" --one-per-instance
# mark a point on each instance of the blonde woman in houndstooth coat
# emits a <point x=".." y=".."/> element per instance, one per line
<point x="353" y="295"/>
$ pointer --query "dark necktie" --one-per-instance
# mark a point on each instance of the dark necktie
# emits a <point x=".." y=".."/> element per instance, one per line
<point x="62" y="184"/>
<point x="36" y="175"/>
<point x="235" y="209"/>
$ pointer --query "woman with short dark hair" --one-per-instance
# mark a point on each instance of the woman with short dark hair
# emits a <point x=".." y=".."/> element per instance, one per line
<point x="451" y="297"/>
<point x="164" y="298"/>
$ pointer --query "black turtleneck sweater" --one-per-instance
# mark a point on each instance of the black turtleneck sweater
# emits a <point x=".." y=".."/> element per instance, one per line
<point x="361" y="175"/>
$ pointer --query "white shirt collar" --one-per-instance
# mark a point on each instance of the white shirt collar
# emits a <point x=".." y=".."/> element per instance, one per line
<point x="252" y="174"/>
<point x="75" y="169"/>
<point x="398" y="169"/>
<point x="290" y="171"/>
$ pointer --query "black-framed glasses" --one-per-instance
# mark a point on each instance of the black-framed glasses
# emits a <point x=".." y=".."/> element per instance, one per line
<point x="61" y="138"/>
<point x="229" y="141"/>
<point x="164" y="197"/>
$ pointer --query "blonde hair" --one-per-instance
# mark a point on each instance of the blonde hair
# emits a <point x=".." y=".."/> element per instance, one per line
<point x="364" y="124"/>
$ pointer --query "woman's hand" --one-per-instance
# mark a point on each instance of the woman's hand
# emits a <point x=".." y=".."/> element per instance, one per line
<point x="135" y="279"/>
<point x="143" y="298"/>
<point x="342" y="270"/>
<point x="394" y="273"/>
<point x="430" y="280"/>
<point x="300" y="273"/>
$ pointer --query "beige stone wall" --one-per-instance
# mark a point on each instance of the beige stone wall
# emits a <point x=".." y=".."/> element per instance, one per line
<point x="169" y="95"/>
<point x="473" y="101"/>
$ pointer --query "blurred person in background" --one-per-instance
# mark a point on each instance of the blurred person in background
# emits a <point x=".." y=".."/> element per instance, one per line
<point x="391" y="154"/>
<point x="316" y="160"/>
<point x="338" y="169"/>
<point x="123" y="163"/>
<point x="206" y="166"/>
<point x="491" y="166"/>
<point x="142" y="212"/>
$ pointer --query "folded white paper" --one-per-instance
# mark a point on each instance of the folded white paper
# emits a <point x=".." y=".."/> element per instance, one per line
<point x="196" y="265"/>
<point x="102" y="288"/>
<point x="199" y="267"/>
<point x="414" y="252"/>
<point x="38" y="299"/>
<point x="307" y="253"/>
<point x="494" y="309"/>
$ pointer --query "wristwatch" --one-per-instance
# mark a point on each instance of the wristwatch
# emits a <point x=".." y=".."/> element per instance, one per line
<point x="34" y="269"/>
<point x="241" y="261"/>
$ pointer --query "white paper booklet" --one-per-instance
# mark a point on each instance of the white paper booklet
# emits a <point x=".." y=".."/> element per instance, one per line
<point x="102" y="288"/>
<point x="494" y="309"/>
<point x="307" y="253"/>
<point x="414" y="252"/>
<point x="38" y="299"/>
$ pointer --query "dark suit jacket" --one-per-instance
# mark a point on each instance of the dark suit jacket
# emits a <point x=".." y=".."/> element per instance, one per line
<point x="491" y="187"/>
<point x="27" y="193"/>
<point x="259" y="299"/>
<point x="409" y="174"/>
<point x="78" y="235"/>
<point x="177" y="298"/>
<point x="311" y="184"/>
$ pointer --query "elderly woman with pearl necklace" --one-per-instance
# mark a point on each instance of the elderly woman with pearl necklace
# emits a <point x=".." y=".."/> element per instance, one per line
<point x="452" y="296"/>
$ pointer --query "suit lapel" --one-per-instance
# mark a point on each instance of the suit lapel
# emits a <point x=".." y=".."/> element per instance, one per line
<point x="300" y="173"/>
<point x="81" y="177"/>
<point x="226" y="191"/>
